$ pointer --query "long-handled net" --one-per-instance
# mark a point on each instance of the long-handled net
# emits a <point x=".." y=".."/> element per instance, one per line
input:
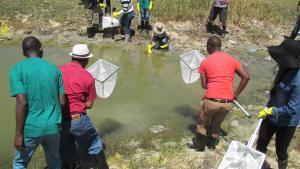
<point x="190" y="63"/>
<point x="105" y="75"/>
<point x="240" y="156"/>
<point x="109" y="21"/>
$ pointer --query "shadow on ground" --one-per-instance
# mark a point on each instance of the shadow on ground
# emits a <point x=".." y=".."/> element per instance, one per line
<point x="216" y="30"/>
<point x="187" y="111"/>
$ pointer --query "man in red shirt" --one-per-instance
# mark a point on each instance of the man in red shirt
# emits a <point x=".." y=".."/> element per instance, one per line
<point x="217" y="76"/>
<point x="80" y="92"/>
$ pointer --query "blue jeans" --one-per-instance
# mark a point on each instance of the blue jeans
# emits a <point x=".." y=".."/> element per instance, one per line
<point x="50" y="145"/>
<point x="83" y="132"/>
<point x="126" y="20"/>
<point x="145" y="14"/>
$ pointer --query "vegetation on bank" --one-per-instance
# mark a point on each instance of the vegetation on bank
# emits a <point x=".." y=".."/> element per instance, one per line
<point x="269" y="11"/>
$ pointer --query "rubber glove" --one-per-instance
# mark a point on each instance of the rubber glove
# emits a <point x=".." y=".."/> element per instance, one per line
<point x="150" y="6"/>
<point x="101" y="5"/>
<point x="265" y="113"/>
<point x="114" y="14"/>
<point x="3" y="28"/>
<point x="164" y="46"/>
<point x="138" y="7"/>
<point x="149" y="48"/>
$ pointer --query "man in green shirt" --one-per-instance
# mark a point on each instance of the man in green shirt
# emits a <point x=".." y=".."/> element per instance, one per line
<point x="38" y="88"/>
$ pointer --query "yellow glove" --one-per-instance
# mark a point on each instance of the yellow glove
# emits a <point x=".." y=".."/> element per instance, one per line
<point x="4" y="30"/>
<point x="265" y="113"/>
<point x="151" y="6"/>
<point x="149" y="48"/>
<point x="138" y="7"/>
<point x="164" y="46"/>
<point x="101" y="5"/>
<point x="114" y="14"/>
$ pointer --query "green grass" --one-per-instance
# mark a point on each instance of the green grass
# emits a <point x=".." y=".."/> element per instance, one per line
<point x="269" y="11"/>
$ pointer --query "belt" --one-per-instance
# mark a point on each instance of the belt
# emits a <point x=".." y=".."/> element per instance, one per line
<point x="77" y="116"/>
<point x="219" y="100"/>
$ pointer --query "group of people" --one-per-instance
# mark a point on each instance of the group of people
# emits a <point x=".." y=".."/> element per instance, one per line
<point x="51" y="102"/>
<point x="51" y="106"/>
<point x="159" y="39"/>
<point x="282" y="113"/>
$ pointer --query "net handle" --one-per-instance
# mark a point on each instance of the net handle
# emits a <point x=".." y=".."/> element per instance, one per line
<point x="243" y="110"/>
<point x="254" y="135"/>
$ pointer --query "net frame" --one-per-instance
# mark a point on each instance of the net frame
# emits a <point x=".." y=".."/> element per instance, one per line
<point x="192" y="54"/>
<point x="238" y="164"/>
<point x="248" y="146"/>
<point x="114" y="72"/>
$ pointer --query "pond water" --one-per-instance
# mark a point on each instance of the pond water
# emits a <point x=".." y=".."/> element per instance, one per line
<point x="149" y="92"/>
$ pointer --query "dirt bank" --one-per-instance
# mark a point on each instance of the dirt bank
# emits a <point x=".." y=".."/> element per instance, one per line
<point x="185" y="35"/>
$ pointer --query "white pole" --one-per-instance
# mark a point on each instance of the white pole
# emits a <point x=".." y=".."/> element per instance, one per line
<point x="254" y="135"/>
<point x="243" y="110"/>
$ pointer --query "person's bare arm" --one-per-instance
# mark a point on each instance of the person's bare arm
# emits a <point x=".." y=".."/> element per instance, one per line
<point x="150" y="37"/>
<point x="203" y="81"/>
<point x="242" y="73"/>
<point x="89" y="104"/>
<point x="21" y="113"/>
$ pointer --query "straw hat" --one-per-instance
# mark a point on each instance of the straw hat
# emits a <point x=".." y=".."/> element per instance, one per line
<point x="287" y="54"/>
<point x="159" y="28"/>
<point x="80" y="51"/>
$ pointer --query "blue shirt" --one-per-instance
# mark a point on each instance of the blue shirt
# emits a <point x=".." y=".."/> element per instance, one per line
<point x="286" y="101"/>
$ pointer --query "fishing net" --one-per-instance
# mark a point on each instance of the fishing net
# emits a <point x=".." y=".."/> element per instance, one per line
<point x="105" y="75"/>
<point x="190" y="62"/>
<point x="239" y="156"/>
<point x="109" y="22"/>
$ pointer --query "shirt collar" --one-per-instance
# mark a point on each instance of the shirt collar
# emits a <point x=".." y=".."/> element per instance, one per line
<point x="75" y="64"/>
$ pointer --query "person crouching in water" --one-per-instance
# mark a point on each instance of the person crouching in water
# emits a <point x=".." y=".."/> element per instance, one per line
<point x="127" y="13"/>
<point x="159" y="39"/>
<point x="283" y="108"/>
<point x="144" y="7"/>
<point x="80" y="92"/>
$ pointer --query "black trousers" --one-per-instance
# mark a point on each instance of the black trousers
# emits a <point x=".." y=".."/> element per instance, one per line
<point x="215" y="11"/>
<point x="284" y="136"/>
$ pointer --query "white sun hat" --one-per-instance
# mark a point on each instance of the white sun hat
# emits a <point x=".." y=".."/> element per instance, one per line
<point x="80" y="51"/>
<point x="159" y="28"/>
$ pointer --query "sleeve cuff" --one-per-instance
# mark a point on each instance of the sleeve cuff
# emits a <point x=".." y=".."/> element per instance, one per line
<point x="275" y="111"/>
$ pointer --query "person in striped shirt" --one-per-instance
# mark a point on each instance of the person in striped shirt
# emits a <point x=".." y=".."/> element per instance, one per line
<point x="127" y="13"/>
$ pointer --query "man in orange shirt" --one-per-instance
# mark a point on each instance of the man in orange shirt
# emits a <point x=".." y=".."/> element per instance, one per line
<point x="217" y="77"/>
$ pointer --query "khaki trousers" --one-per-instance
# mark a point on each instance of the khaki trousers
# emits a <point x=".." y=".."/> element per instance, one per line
<point x="212" y="115"/>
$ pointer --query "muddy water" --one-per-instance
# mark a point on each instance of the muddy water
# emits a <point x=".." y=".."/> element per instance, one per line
<point x="149" y="92"/>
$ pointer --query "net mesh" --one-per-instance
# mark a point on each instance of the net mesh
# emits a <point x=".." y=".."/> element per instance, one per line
<point x="105" y="75"/>
<point x="190" y="62"/>
<point x="109" y="22"/>
<point x="239" y="156"/>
